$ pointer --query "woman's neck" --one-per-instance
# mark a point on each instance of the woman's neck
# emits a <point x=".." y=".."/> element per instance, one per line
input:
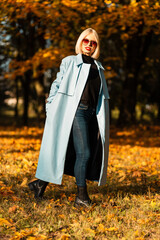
<point x="87" y="59"/>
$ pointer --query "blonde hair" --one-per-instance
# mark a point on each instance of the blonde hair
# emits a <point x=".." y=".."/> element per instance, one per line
<point x="78" y="47"/>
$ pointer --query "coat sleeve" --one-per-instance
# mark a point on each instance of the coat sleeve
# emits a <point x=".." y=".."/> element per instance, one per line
<point x="56" y="83"/>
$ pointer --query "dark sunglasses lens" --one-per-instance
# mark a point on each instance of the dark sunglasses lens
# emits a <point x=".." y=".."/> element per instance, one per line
<point x="94" y="44"/>
<point x="85" y="41"/>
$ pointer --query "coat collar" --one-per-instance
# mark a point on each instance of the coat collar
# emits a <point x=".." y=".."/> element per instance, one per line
<point x="80" y="61"/>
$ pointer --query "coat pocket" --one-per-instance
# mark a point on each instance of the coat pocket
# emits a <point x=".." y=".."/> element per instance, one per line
<point x="68" y="84"/>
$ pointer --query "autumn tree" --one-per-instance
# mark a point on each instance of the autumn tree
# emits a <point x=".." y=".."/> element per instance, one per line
<point x="131" y="29"/>
<point x="26" y="36"/>
<point x="43" y="32"/>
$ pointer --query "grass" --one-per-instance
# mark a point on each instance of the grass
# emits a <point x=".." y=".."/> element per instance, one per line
<point x="127" y="207"/>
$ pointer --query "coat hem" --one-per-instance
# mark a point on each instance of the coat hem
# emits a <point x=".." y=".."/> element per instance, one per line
<point x="50" y="180"/>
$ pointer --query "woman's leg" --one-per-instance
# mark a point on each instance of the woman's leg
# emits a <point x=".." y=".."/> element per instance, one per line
<point x="81" y="143"/>
<point x="82" y="149"/>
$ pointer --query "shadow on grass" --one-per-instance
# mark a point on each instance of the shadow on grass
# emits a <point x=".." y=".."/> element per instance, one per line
<point x="136" y="189"/>
<point x="68" y="189"/>
<point x="136" y="135"/>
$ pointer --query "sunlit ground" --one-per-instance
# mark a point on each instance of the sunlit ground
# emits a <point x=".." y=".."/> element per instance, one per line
<point x="127" y="207"/>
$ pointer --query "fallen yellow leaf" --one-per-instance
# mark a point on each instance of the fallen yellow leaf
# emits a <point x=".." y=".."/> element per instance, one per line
<point x="4" y="222"/>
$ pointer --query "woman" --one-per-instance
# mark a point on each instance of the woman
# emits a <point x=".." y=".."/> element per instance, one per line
<point x="76" y="135"/>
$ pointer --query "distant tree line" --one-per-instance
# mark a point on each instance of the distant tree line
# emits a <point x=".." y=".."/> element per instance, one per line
<point x="36" y="35"/>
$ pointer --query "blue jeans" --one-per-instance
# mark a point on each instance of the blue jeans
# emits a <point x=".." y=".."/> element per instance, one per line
<point x="81" y="142"/>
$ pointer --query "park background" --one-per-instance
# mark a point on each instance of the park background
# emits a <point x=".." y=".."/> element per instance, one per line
<point x="35" y="36"/>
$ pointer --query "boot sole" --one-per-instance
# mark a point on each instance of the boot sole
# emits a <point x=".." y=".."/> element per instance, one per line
<point x="82" y="204"/>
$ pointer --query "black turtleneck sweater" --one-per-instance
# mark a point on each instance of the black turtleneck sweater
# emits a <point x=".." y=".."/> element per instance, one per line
<point x="91" y="91"/>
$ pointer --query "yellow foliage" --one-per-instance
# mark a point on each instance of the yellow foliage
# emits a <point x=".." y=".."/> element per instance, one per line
<point x="19" y="150"/>
<point x="157" y="5"/>
<point x="4" y="222"/>
<point x="62" y="216"/>
<point x="25" y="181"/>
<point x="65" y="237"/>
<point x="134" y="3"/>
<point x="124" y="36"/>
<point x="57" y="17"/>
<point x="70" y="3"/>
<point x="90" y="231"/>
<point x="111" y="229"/>
<point x="108" y="1"/>
<point x="12" y="209"/>
<point x="98" y="220"/>
<point x="101" y="228"/>
<point x="47" y="54"/>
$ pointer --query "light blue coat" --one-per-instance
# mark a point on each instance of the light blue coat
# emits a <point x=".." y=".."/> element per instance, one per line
<point x="61" y="107"/>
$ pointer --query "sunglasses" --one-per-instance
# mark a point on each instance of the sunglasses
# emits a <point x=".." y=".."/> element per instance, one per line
<point x="85" y="41"/>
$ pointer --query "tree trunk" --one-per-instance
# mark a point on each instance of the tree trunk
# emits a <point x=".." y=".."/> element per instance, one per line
<point x="128" y="101"/>
<point x="136" y="51"/>
<point x="26" y="90"/>
<point x="17" y="99"/>
<point x="158" y="95"/>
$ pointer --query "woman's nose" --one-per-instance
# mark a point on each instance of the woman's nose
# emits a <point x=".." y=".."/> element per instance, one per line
<point x="90" y="43"/>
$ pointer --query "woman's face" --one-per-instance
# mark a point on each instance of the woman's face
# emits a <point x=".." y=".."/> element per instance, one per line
<point x="89" y="44"/>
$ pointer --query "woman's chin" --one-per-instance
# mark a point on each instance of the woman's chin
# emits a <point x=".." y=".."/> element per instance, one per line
<point x="87" y="53"/>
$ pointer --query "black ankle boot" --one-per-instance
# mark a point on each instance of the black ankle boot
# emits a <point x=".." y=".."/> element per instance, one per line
<point x="38" y="187"/>
<point x="82" y="198"/>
